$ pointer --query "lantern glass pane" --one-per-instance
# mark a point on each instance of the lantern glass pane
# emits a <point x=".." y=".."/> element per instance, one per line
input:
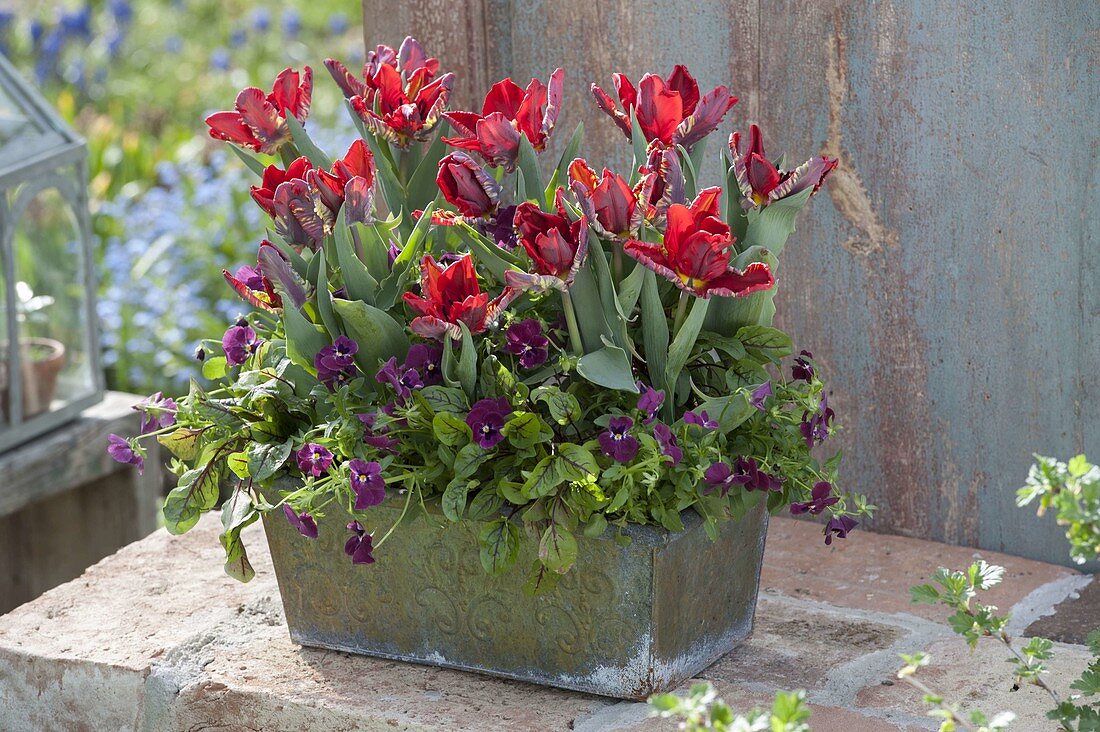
<point x="22" y="131"/>
<point x="5" y="381"/>
<point x="50" y="294"/>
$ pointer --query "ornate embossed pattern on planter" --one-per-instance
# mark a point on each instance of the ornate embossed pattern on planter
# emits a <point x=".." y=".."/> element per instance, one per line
<point x="623" y="622"/>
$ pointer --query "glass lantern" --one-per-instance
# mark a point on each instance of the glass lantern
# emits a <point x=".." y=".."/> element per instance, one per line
<point x="49" y="354"/>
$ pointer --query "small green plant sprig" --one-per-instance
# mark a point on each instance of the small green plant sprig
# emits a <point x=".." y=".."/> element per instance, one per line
<point x="1073" y="490"/>
<point x="701" y="710"/>
<point x="973" y="620"/>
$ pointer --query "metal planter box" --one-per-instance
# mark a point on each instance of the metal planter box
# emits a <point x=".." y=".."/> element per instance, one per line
<point x="623" y="622"/>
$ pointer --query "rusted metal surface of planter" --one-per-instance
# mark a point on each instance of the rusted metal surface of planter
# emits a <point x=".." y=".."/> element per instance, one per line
<point x="623" y="622"/>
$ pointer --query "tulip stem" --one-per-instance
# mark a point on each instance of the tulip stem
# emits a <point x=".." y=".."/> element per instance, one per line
<point x="571" y="322"/>
<point x="617" y="263"/>
<point x="681" y="311"/>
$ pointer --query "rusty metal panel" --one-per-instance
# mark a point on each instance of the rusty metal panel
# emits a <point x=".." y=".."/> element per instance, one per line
<point x="948" y="281"/>
<point x="616" y="624"/>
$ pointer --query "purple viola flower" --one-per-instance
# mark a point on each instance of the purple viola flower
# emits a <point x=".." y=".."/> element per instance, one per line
<point x="839" y="526"/>
<point x="721" y="477"/>
<point x="367" y="483"/>
<point x="821" y="497"/>
<point x="815" y="427"/>
<point x="667" y="441"/>
<point x="157" y="412"/>
<point x="314" y="459"/>
<point x="239" y="342"/>
<point x="123" y="451"/>
<point x="487" y="418"/>
<point x="303" y="522"/>
<point x="359" y="544"/>
<point x="760" y="394"/>
<point x="526" y="340"/>
<point x="374" y="439"/>
<point x="803" y="368"/>
<point x="649" y="402"/>
<point x="402" y="380"/>
<point x="756" y="479"/>
<point x="702" y="419"/>
<point x="617" y="442"/>
<point x="500" y="227"/>
<point x="335" y="363"/>
<point x="427" y="359"/>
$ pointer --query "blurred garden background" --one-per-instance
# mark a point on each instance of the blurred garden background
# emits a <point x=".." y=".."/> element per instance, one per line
<point x="136" y="80"/>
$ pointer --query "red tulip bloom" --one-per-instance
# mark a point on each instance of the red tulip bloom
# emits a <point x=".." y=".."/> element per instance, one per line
<point x="762" y="183"/>
<point x="350" y="183"/>
<point x="668" y="110"/>
<point x="466" y="186"/>
<point x="661" y="185"/>
<point x="253" y="285"/>
<point x="695" y="255"/>
<point x="609" y="203"/>
<point x="399" y="99"/>
<point x="508" y="112"/>
<point x="259" y="120"/>
<point x="264" y="194"/>
<point x="557" y="247"/>
<point x="301" y="218"/>
<point x="452" y="295"/>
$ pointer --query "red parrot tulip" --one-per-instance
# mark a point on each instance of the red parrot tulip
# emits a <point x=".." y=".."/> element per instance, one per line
<point x="608" y="202"/>
<point x="264" y="194"/>
<point x="466" y="186"/>
<point x="259" y="120"/>
<point x="452" y="295"/>
<point x="349" y="184"/>
<point x="557" y="247"/>
<point x="508" y="112"/>
<point x="762" y="183"/>
<point x="399" y="99"/>
<point x="695" y="254"/>
<point x="668" y="110"/>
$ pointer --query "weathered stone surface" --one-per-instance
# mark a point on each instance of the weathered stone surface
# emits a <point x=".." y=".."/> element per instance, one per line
<point x="1073" y="619"/>
<point x="875" y="571"/>
<point x="794" y="646"/>
<point x="156" y="637"/>
<point x="980" y="680"/>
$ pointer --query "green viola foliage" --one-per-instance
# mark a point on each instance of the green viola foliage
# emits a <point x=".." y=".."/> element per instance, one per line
<point x="701" y="710"/>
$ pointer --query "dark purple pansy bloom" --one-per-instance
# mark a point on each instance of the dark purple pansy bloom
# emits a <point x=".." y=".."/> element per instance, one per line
<point x="374" y="439"/>
<point x="359" y="544"/>
<point x="649" y="402"/>
<point x="526" y="340"/>
<point x="701" y="419"/>
<point x="803" y="367"/>
<point x="335" y="363"/>
<point x="839" y="526"/>
<point x="722" y="477"/>
<point x="821" y="497"/>
<point x="367" y="483"/>
<point x="305" y="524"/>
<point x="239" y="342"/>
<point x="667" y="441"/>
<point x="760" y="394"/>
<point x="815" y="427"/>
<point x="122" y="450"/>
<point x="487" y="418"/>
<point x="403" y="380"/>
<point x="427" y="359"/>
<point x="314" y="459"/>
<point x="500" y="227"/>
<point x="157" y="412"/>
<point x="617" y="442"/>
<point x="756" y="479"/>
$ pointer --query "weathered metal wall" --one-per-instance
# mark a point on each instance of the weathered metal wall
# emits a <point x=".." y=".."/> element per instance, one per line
<point x="948" y="281"/>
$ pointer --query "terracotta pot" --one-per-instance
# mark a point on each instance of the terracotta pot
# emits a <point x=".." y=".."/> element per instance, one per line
<point x="41" y="361"/>
<point x="625" y="621"/>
